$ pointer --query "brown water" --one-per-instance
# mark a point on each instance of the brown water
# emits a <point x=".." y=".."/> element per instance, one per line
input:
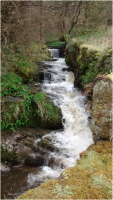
<point x="14" y="183"/>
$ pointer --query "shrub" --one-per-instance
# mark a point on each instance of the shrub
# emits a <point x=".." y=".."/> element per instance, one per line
<point x="11" y="84"/>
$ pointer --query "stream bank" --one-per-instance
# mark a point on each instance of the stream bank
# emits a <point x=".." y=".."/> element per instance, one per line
<point x="63" y="145"/>
<point x="91" y="178"/>
<point x="60" y="187"/>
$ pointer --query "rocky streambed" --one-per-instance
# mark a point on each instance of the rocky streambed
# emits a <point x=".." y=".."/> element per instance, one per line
<point x="44" y="154"/>
<point x="24" y="151"/>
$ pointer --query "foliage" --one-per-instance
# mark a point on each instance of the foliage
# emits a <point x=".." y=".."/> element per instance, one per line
<point x="33" y="109"/>
<point x="22" y="60"/>
<point x="16" y="114"/>
<point x="46" y="110"/>
<point x="62" y="191"/>
<point x="99" y="40"/>
<point x="26" y="70"/>
<point x="88" y="62"/>
<point x="37" y="52"/>
<point x="51" y="112"/>
<point x="31" y="80"/>
<point x="14" y="59"/>
<point x="11" y="84"/>
<point x="14" y="124"/>
<point x="57" y="43"/>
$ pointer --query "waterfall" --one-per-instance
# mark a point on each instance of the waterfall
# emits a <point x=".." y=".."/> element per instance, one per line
<point x="68" y="143"/>
<point x="54" y="53"/>
<point x="76" y="136"/>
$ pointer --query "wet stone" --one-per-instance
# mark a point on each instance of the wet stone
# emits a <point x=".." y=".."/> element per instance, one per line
<point x="22" y="142"/>
<point x="36" y="160"/>
<point x="40" y="150"/>
<point x="45" y="144"/>
<point x="4" y="168"/>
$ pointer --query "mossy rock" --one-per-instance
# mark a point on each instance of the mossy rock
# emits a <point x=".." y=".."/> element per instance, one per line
<point x="9" y="157"/>
<point x="27" y="72"/>
<point x="36" y="110"/>
<point x="46" y="145"/>
<point x="88" y="61"/>
<point x="101" y="123"/>
<point x="49" y="115"/>
<point x="12" y="108"/>
<point x="20" y="147"/>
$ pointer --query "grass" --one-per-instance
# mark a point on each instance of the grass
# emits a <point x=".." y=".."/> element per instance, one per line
<point x="32" y="109"/>
<point x="62" y="191"/>
<point x="93" y="159"/>
<point x="102" y="182"/>
<point x="19" y="67"/>
<point x="37" y="52"/>
<point x="80" y="182"/>
<point x="23" y="59"/>
<point x="89" y="58"/>
<point x="14" y="60"/>
<point x="46" y="109"/>
<point x="100" y="40"/>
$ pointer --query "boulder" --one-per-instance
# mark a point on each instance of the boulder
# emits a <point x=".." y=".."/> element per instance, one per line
<point x="20" y="146"/>
<point x="101" y="123"/>
<point x="34" y="160"/>
<point x="47" y="145"/>
<point x="16" y="111"/>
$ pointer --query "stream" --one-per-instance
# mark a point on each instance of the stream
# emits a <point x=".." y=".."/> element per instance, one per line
<point x="75" y="137"/>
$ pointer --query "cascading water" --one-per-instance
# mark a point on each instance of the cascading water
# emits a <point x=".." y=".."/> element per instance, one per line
<point x="76" y="136"/>
<point x="54" y="53"/>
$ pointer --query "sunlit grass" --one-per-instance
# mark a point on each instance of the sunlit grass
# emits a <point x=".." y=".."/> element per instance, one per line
<point x="99" y="41"/>
<point x="101" y="181"/>
<point x="91" y="161"/>
<point x="62" y="191"/>
<point x="90" y="179"/>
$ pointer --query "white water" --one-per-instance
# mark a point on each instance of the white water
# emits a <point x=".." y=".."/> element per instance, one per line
<point x="54" y="53"/>
<point x="76" y="136"/>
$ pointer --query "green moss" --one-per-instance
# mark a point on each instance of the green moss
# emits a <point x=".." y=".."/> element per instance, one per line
<point x="33" y="110"/>
<point x="23" y="59"/>
<point x="26" y="71"/>
<point x="13" y="114"/>
<point x="89" y="63"/>
<point x="8" y="157"/>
